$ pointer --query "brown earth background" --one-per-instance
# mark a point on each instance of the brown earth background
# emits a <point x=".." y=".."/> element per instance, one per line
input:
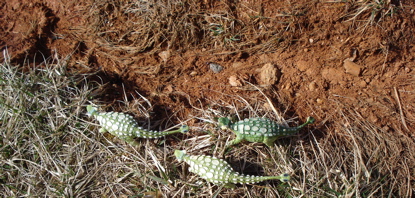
<point x="310" y="58"/>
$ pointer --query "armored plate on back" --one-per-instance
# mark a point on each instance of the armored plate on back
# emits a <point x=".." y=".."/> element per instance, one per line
<point x="219" y="172"/>
<point x="125" y="127"/>
<point x="259" y="129"/>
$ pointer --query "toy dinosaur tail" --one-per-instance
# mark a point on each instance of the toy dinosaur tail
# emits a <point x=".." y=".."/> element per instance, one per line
<point x="250" y="179"/>
<point x="310" y="120"/>
<point x="91" y="110"/>
<point x="180" y="154"/>
<point x="182" y="129"/>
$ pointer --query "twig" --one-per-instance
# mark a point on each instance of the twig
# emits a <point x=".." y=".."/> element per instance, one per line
<point x="400" y="109"/>
<point x="268" y="100"/>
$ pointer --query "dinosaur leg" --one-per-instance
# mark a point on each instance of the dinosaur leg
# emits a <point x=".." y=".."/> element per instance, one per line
<point x="230" y="185"/>
<point x="131" y="141"/>
<point x="237" y="140"/>
<point x="269" y="141"/>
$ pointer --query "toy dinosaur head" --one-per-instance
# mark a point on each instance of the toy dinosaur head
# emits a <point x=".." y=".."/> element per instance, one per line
<point x="184" y="129"/>
<point x="224" y="122"/>
<point x="310" y="120"/>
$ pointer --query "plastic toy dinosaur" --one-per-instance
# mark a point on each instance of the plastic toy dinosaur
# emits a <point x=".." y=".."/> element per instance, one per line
<point x="259" y="129"/>
<point x="125" y="127"/>
<point x="219" y="172"/>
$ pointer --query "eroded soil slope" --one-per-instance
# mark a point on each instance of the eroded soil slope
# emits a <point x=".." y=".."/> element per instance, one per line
<point x="307" y="43"/>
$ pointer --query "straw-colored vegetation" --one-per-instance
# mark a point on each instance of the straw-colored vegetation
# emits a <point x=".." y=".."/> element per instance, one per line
<point x="49" y="147"/>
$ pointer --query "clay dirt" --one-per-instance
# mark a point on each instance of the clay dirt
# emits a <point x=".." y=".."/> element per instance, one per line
<point x="349" y="64"/>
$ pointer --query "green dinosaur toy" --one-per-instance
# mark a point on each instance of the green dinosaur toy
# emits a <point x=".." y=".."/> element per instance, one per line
<point x="259" y="129"/>
<point x="219" y="172"/>
<point x="125" y="127"/>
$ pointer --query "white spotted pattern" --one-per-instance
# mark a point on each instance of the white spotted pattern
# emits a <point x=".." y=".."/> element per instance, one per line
<point x="218" y="171"/>
<point x="125" y="127"/>
<point x="261" y="127"/>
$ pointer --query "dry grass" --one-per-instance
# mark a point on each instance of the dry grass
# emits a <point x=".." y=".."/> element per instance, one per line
<point x="353" y="158"/>
<point x="370" y="12"/>
<point x="50" y="148"/>
<point x="141" y="26"/>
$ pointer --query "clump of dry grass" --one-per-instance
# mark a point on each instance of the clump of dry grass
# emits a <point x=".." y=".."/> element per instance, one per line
<point x="141" y="26"/>
<point x="45" y="146"/>
<point x="49" y="149"/>
<point x="372" y="11"/>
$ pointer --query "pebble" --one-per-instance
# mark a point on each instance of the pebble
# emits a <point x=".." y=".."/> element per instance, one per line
<point x="216" y="68"/>
<point x="237" y="64"/>
<point x="288" y="86"/>
<point x="352" y="68"/>
<point x="302" y="65"/>
<point x="362" y="83"/>
<point x="269" y="74"/>
<point x="234" y="81"/>
<point x="312" y="86"/>
<point x="164" y="55"/>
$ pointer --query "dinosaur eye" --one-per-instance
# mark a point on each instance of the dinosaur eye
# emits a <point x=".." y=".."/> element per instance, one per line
<point x="184" y="129"/>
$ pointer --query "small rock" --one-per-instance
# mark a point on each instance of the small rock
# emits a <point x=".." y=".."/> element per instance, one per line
<point x="193" y="73"/>
<point x="373" y="118"/>
<point x="169" y="89"/>
<point x="288" y="86"/>
<point x="389" y="74"/>
<point x="333" y="75"/>
<point x="234" y="81"/>
<point x="237" y="64"/>
<point x="164" y="55"/>
<point x="362" y="83"/>
<point x="302" y="65"/>
<point x="267" y="107"/>
<point x="352" y="68"/>
<point x="319" y="101"/>
<point x="312" y="86"/>
<point x="216" y="68"/>
<point x="269" y="74"/>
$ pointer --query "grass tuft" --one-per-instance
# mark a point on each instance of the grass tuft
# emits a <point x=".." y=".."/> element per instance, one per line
<point x="372" y="11"/>
<point x="49" y="148"/>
